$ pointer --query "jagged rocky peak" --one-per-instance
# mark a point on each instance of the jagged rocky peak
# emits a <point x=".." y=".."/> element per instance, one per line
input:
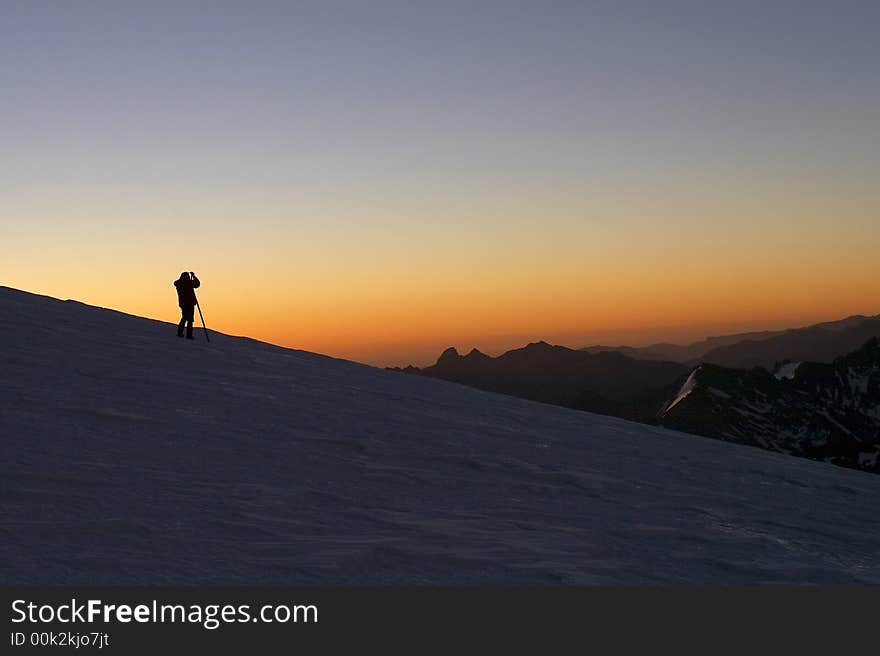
<point x="449" y="354"/>
<point x="539" y="348"/>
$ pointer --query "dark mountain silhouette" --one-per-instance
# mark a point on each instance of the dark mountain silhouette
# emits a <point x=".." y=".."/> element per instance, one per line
<point x="819" y="343"/>
<point x="606" y="383"/>
<point x="822" y="402"/>
<point x="822" y="411"/>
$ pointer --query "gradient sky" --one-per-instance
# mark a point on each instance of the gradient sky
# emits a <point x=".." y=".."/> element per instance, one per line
<point x="381" y="180"/>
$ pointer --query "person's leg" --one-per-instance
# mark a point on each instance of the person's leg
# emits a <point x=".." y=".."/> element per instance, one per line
<point x="190" y="311"/>
<point x="182" y="322"/>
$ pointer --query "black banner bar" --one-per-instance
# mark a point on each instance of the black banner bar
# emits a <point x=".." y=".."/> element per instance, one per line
<point x="544" y="620"/>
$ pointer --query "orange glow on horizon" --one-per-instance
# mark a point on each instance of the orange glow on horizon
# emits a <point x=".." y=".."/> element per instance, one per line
<point x="388" y="289"/>
<point x="394" y="324"/>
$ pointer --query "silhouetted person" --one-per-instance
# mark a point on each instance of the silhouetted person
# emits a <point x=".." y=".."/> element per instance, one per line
<point x="186" y="299"/>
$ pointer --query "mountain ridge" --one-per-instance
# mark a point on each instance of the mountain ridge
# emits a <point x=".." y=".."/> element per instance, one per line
<point x="823" y="411"/>
<point x="607" y="382"/>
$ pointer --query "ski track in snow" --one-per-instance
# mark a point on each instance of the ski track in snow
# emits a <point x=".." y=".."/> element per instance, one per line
<point x="132" y="457"/>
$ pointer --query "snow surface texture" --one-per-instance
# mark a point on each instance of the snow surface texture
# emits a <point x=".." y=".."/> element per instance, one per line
<point x="132" y="456"/>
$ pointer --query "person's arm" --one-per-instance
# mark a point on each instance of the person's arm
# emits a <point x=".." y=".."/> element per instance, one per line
<point x="195" y="281"/>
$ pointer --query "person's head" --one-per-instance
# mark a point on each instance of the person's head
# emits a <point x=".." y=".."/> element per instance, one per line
<point x="184" y="276"/>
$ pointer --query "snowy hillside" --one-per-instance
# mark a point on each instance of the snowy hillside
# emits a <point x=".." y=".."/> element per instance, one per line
<point x="131" y="456"/>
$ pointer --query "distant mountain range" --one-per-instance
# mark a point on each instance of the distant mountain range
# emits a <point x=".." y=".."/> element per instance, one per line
<point x="821" y="411"/>
<point x="821" y="342"/>
<point x="682" y="352"/>
<point x="719" y="387"/>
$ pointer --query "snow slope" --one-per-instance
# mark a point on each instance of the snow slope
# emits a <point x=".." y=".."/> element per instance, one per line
<point x="130" y="456"/>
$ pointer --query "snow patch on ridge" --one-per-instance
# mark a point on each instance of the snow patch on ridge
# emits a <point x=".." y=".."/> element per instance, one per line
<point x="787" y="370"/>
<point x="685" y="390"/>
